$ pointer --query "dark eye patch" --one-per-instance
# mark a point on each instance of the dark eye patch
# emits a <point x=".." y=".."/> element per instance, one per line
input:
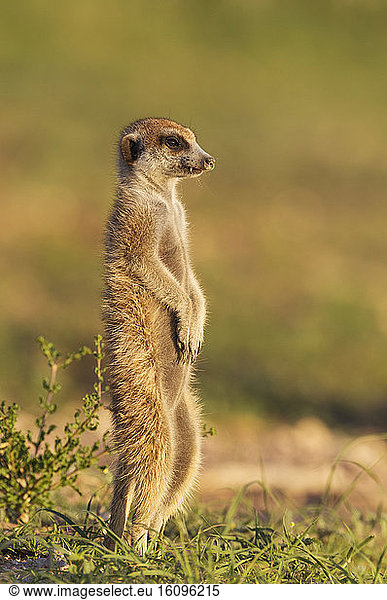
<point x="174" y="142"/>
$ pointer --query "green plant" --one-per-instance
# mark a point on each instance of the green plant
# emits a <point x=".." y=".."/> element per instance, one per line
<point x="208" y="431"/>
<point x="33" y="465"/>
<point x="235" y="545"/>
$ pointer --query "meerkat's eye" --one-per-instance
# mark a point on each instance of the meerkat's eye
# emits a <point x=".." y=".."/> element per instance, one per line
<point x="172" y="142"/>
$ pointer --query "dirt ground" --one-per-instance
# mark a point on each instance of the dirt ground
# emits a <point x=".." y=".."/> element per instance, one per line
<point x="294" y="461"/>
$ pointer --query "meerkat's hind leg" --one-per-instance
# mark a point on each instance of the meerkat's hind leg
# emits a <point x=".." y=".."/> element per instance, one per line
<point x="121" y="502"/>
<point x="139" y="536"/>
<point x="143" y="518"/>
<point x="152" y="482"/>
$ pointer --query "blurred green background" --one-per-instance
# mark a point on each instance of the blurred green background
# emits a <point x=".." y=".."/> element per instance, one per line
<point x="289" y="232"/>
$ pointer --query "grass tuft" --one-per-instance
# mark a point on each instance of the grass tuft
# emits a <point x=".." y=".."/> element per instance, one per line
<point x="237" y="545"/>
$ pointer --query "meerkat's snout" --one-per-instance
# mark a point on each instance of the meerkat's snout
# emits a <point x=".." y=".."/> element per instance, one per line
<point x="208" y="163"/>
<point x="197" y="162"/>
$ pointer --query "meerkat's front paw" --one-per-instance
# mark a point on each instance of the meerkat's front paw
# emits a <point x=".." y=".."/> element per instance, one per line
<point x="195" y="342"/>
<point x="189" y="343"/>
<point x="182" y="342"/>
<point x="183" y="330"/>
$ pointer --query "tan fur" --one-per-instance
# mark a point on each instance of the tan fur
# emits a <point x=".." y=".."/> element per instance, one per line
<point x="154" y="312"/>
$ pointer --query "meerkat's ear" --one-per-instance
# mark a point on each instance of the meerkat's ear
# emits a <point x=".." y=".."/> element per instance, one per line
<point x="131" y="147"/>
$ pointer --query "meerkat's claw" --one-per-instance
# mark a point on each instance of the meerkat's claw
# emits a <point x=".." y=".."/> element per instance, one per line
<point x="183" y="356"/>
<point x="193" y="351"/>
<point x="180" y="351"/>
<point x="193" y="356"/>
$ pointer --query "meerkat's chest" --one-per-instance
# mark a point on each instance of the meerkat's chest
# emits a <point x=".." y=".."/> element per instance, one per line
<point x="174" y="245"/>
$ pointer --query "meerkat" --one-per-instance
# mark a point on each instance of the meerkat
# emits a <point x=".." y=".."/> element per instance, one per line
<point x="154" y="314"/>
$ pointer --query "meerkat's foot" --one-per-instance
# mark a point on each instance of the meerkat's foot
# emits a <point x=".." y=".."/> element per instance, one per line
<point x="142" y="544"/>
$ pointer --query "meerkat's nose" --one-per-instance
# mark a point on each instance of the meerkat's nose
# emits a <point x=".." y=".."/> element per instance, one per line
<point x="208" y="163"/>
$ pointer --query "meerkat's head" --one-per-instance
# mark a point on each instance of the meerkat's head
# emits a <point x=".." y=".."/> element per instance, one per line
<point x="163" y="150"/>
